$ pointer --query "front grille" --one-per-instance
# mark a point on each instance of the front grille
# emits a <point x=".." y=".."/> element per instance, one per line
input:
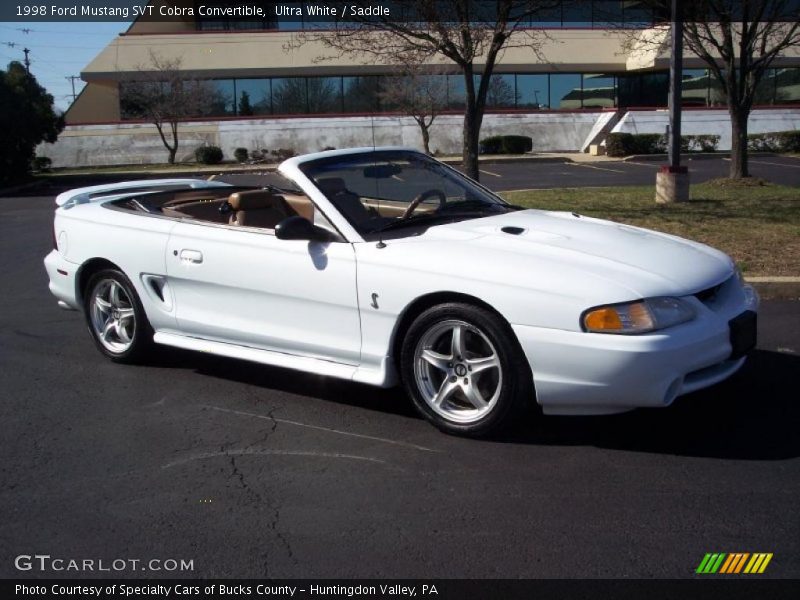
<point x="708" y="295"/>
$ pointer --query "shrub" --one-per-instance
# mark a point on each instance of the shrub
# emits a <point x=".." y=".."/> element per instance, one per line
<point x="649" y="143"/>
<point x="41" y="163"/>
<point x="241" y="154"/>
<point x="506" y="144"/>
<point x="774" y="141"/>
<point x="208" y="155"/>
<point x="283" y="153"/>
<point x="619" y="144"/>
<point x="788" y="141"/>
<point x="326" y="148"/>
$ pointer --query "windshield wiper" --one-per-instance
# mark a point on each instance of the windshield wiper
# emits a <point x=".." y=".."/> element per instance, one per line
<point x="412" y="220"/>
<point x="462" y="205"/>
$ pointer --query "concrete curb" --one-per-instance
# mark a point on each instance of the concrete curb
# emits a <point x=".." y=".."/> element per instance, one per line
<point x="692" y="156"/>
<point x="776" y="288"/>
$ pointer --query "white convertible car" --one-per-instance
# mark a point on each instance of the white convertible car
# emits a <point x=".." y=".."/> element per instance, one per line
<point x="385" y="266"/>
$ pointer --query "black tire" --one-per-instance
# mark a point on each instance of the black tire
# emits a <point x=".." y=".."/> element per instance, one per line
<point x="139" y="332"/>
<point x="509" y="385"/>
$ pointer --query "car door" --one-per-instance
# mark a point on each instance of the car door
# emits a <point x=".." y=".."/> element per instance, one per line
<point x="244" y="286"/>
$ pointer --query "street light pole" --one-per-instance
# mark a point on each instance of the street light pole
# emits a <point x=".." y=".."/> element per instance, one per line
<point x="672" y="181"/>
<point x="675" y="85"/>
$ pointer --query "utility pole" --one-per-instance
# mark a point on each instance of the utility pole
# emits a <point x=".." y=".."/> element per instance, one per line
<point x="675" y="85"/>
<point x="27" y="61"/>
<point x="672" y="181"/>
<point x="72" y="79"/>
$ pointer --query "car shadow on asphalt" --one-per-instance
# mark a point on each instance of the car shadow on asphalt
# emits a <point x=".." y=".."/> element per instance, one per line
<point x="755" y="415"/>
<point x="340" y="391"/>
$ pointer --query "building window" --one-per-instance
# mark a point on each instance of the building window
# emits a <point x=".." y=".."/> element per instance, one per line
<point x="289" y="96"/>
<point x="324" y="95"/>
<point x="533" y="91"/>
<point x="360" y="94"/>
<point x="502" y="92"/>
<point x="787" y="86"/>
<point x="599" y="91"/>
<point x="694" y="87"/>
<point x="565" y="90"/>
<point x="253" y="97"/>
<point x="222" y="101"/>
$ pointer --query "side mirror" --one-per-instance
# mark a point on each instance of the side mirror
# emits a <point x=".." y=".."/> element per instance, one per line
<point x="298" y="228"/>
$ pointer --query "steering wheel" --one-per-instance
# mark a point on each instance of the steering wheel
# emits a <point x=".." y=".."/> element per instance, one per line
<point x="421" y="198"/>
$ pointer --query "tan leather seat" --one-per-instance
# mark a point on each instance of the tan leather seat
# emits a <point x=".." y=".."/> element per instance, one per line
<point x="301" y="205"/>
<point x="258" y="208"/>
<point x="346" y="201"/>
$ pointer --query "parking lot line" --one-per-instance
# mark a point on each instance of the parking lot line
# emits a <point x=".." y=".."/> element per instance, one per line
<point x="766" y="162"/>
<point x="490" y="173"/>
<point x="595" y="167"/>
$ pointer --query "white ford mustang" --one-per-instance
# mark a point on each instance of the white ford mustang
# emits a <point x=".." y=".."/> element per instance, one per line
<point x="384" y="265"/>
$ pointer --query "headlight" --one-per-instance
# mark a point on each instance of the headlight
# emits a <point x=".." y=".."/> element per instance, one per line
<point x="638" y="317"/>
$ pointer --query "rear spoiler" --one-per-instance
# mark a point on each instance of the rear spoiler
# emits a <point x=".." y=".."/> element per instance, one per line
<point x="114" y="191"/>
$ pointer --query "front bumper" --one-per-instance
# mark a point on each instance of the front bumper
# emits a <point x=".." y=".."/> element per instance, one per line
<point x="589" y="373"/>
<point x="62" y="274"/>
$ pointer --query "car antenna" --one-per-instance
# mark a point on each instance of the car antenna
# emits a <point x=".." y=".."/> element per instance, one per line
<point x="380" y="243"/>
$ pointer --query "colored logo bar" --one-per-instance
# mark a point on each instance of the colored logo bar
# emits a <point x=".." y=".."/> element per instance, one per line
<point x="734" y="563"/>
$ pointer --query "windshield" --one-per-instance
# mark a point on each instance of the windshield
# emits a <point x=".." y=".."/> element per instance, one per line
<point x="398" y="192"/>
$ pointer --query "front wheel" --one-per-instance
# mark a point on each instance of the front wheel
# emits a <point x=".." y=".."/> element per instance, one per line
<point x="116" y="318"/>
<point x="463" y="369"/>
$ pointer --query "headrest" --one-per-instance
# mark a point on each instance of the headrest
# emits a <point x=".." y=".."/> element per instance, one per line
<point x="253" y="200"/>
<point x="330" y="186"/>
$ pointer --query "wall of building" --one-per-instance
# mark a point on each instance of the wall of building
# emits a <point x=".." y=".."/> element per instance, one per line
<point x="138" y="143"/>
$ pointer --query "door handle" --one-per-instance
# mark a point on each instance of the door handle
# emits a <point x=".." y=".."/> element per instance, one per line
<point x="192" y="256"/>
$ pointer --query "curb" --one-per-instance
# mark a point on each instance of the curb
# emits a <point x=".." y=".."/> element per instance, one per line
<point x="776" y="288"/>
<point x="691" y="156"/>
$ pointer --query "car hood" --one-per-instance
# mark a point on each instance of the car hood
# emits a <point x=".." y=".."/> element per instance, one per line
<point x="645" y="262"/>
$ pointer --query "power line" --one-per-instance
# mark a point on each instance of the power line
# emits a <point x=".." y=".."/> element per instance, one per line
<point x="72" y="79"/>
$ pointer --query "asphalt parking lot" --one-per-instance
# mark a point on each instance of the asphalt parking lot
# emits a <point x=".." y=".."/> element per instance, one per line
<point x="541" y="174"/>
<point x="256" y="471"/>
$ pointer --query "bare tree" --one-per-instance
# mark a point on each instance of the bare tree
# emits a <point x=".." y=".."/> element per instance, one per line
<point x="165" y="96"/>
<point x="468" y="34"/>
<point x="738" y="40"/>
<point x="420" y="94"/>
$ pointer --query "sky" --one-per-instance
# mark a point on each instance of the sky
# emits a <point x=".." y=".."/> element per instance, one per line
<point x="57" y="50"/>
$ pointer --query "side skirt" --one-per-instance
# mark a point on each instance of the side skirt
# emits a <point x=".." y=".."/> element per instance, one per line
<point x="379" y="376"/>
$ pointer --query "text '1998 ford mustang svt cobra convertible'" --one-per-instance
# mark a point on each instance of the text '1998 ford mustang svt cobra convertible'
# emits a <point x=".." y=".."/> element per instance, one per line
<point x="385" y="266"/>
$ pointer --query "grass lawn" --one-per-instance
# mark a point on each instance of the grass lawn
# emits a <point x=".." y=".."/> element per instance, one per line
<point x="759" y="226"/>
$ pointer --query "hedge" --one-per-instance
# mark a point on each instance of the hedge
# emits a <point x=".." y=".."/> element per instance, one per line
<point x="625" y="144"/>
<point x="506" y="144"/>
<point x="775" y="141"/>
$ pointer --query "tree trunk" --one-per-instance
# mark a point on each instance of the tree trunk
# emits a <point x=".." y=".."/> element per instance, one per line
<point x="174" y="148"/>
<point x="426" y="138"/>
<point x="472" y="127"/>
<point x="739" y="117"/>
<point x="470" y="147"/>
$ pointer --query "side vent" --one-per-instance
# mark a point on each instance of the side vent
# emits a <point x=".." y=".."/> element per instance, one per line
<point x="158" y="291"/>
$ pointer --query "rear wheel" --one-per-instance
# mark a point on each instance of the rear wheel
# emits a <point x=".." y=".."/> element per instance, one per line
<point x="464" y="370"/>
<point x="116" y="318"/>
